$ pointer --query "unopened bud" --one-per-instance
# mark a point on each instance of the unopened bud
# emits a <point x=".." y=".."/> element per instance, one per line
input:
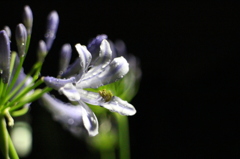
<point x="65" y="57"/>
<point x="42" y="51"/>
<point x="28" y="19"/>
<point x="8" y="31"/>
<point x="52" y="26"/>
<point x="21" y="38"/>
<point x="4" y="56"/>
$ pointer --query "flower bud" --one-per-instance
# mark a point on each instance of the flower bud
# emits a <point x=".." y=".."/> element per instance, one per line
<point x="52" y="26"/>
<point x="42" y="51"/>
<point x="65" y="57"/>
<point x="8" y="31"/>
<point x="4" y="56"/>
<point x="21" y="38"/>
<point x="28" y="19"/>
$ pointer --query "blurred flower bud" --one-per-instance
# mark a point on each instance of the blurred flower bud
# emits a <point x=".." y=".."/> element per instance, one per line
<point x="52" y="26"/>
<point x="21" y="39"/>
<point x="8" y="31"/>
<point x="4" y="56"/>
<point x="65" y="56"/>
<point x="28" y="19"/>
<point x="42" y="51"/>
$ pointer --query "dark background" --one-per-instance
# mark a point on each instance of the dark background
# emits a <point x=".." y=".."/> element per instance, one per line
<point x="188" y="102"/>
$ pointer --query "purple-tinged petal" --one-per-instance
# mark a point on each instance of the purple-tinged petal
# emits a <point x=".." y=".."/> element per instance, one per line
<point x="115" y="104"/>
<point x="52" y="26"/>
<point x="102" y="61"/>
<point x="70" y="91"/>
<point x="65" y="57"/>
<point x="73" y="69"/>
<point x="56" y="83"/>
<point x="120" y="48"/>
<point x="118" y="68"/>
<point x="67" y="114"/>
<point x="94" y="45"/>
<point x="4" y="56"/>
<point x="85" y="58"/>
<point x="21" y="39"/>
<point x="28" y="19"/>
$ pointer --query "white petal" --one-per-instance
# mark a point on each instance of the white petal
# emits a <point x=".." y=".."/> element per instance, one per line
<point x="84" y="56"/>
<point x="120" y="106"/>
<point x="90" y="121"/>
<point x="102" y="61"/>
<point x="115" y="104"/>
<point x="113" y="72"/>
<point x="70" y="91"/>
<point x="90" y="97"/>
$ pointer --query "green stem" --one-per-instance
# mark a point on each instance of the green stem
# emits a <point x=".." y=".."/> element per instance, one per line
<point x="4" y="137"/>
<point x="123" y="136"/>
<point x="12" y="151"/>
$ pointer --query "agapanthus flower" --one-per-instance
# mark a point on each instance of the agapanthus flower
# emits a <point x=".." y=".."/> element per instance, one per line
<point x="95" y="67"/>
<point x="92" y="74"/>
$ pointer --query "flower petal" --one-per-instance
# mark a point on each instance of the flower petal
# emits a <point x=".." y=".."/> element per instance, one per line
<point x="70" y="91"/>
<point x="85" y="58"/>
<point x="100" y="64"/>
<point x="120" y="106"/>
<point x="93" y="46"/>
<point x="115" y="104"/>
<point x="67" y="114"/>
<point x="90" y="121"/>
<point x="56" y="83"/>
<point x="90" y="97"/>
<point x="73" y="69"/>
<point x="113" y="72"/>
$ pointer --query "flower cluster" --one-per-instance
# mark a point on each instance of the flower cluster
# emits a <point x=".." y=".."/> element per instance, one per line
<point x="84" y="82"/>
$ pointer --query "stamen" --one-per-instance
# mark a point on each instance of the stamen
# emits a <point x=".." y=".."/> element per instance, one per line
<point x="106" y="94"/>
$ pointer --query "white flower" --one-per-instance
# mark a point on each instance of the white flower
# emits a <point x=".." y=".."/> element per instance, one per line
<point x="103" y="71"/>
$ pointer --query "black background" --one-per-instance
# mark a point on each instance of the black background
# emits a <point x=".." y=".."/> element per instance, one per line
<point x="188" y="102"/>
